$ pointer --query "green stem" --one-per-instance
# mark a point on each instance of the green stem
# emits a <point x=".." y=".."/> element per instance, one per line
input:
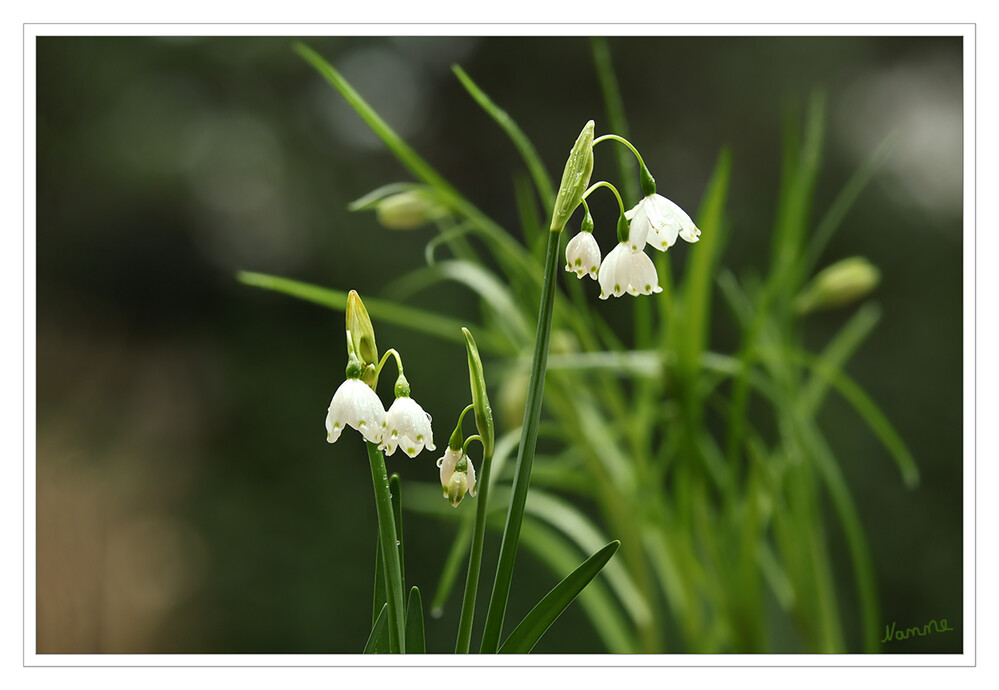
<point x="390" y="554"/>
<point x="525" y="456"/>
<point x="474" y="559"/>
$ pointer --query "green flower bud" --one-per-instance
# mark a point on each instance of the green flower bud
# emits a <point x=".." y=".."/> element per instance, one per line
<point x="362" y="338"/>
<point x="575" y="178"/>
<point x="843" y="282"/>
<point x="409" y="210"/>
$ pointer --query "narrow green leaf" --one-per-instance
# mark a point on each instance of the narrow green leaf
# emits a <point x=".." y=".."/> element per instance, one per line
<point x="870" y="412"/>
<point x="609" y="622"/>
<point x="841" y="205"/>
<point x="416" y="642"/>
<point x="478" y="279"/>
<point x="452" y="564"/>
<point x="533" y="626"/>
<point x="587" y="536"/>
<point x="395" y="493"/>
<point x="836" y="353"/>
<point x="380" y="310"/>
<point x="378" y="640"/>
<point x="542" y="180"/>
<point x="701" y="268"/>
<point x="852" y="528"/>
<point x="379" y="596"/>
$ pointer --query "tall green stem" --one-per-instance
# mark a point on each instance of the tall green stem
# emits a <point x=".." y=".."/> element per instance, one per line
<point x="525" y="456"/>
<point x="390" y="553"/>
<point x="474" y="560"/>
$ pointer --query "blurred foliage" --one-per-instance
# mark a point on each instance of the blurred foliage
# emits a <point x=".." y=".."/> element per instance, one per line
<point x="187" y="498"/>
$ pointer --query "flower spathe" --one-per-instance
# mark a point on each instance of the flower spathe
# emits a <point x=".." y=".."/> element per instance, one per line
<point x="407" y="426"/>
<point x="355" y="405"/>
<point x="660" y="221"/>
<point x="626" y="270"/>
<point x="582" y="255"/>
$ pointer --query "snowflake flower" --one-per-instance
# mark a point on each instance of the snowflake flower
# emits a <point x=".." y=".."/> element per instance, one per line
<point x="407" y="427"/>
<point x="354" y="404"/>
<point x="659" y="221"/>
<point x="626" y="270"/>
<point x="582" y="255"/>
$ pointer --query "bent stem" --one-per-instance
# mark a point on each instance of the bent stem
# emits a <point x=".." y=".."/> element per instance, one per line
<point x="390" y="553"/>
<point x="475" y="558"/>
<point x="525" y="456"/>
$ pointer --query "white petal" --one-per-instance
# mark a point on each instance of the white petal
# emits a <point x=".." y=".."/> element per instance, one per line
<point x="642" y="278"/>
<point x="471" y="478"/>
<point x="682" y="221"/>
<point x="638" y="230"/>
<point x="447" y="463"/>
<point x="582" y="255"/>
<point x="610" y="283"/>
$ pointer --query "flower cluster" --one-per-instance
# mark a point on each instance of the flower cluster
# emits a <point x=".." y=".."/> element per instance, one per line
<point x="355" y="404"/>
<point x="655" y="221"/>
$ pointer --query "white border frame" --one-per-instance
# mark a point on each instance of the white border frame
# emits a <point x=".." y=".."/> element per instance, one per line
<point x="967" y="658"/>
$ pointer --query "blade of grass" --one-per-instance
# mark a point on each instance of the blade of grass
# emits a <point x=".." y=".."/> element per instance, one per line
<point x="836" y="353"/>
<point x="378" y="640"/>
<point x="533" y="626"/>
<point x="841" y="205"/>
<point x="701" y="268"/>
<point x="870" y="412"/>
<point x="395" y="493"/>
<point x="416" y="642"/>
<point x="380" y="310"/>
<point x="452" y="565"/>
<point x="542" y="180"/>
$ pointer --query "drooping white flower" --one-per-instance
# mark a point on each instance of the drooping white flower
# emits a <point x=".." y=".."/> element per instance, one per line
<point x="407" y="426"/>
<point x="354" y="404"/>
<point x="660" y="220"/>
<point x="626" y="270"/>
<point x="455" y="481"/>
<point x="582" y="255"/>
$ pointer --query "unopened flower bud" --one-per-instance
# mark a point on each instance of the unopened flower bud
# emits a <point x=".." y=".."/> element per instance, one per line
<point x="575" y="178"/>
<point x="362" y="337"/>
<point x="409" y="210"/>
<point x="843" y="282"/>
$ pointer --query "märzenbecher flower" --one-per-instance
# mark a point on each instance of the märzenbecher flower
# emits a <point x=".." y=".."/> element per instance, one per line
<point x="582" y="255"/>
<point x="407" y="426"/>
<point x="660" y="221"/>
<point x="627" y="270"/>
<point x="355" y="405"/>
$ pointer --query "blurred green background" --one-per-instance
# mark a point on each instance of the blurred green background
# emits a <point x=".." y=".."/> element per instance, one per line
<point x="187" y="498"/>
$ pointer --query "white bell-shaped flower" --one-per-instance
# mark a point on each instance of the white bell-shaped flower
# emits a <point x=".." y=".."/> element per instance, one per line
<point x="582" y="255"/>
<point x="407" y="426"/>
<point x="455" y="480"/>
<point x="626" y="270"/>
<point x="661" y="221"/>
<point x="354" y="404"/>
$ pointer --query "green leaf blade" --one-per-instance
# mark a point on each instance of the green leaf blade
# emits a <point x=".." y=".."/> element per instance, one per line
<point x="533" y="626"/>
<point x="416" y="642"/>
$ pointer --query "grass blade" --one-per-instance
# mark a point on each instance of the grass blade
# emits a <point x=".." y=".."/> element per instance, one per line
<point x="703" y="259"/>
<point x="533" y="626"/>
<point x="871" y="413"/>
<point x="542" y="180"/>
<point x="378" y="640"/>
<point x="380" y="310"/>
<point x="452" y="564"/>
<point x="416" y="642"/>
